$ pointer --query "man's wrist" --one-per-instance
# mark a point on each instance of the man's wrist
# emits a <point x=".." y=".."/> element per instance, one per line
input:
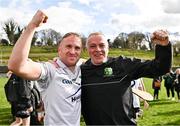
<point x="165" y="45"/>
<point x="31" y="26"/>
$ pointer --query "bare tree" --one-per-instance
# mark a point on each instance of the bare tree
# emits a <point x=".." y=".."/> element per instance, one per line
<point x="135" y="38"/>
<point x="49" y="36"/>
<point x="35" y="37"/>
<point x="147" y="37"/>
<point x="55" y="36"/>
<point x="17" y="33"/>
<point x="121" y="41"/>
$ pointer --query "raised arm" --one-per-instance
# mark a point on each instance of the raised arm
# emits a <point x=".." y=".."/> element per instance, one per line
<point x="163" y="51"/>
<point x="18" y="62"/>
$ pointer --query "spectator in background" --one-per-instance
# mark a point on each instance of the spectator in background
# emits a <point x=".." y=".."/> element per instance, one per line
<point x="21" y="108"/>
<point x="156" y="85"/>
<point x="177" y="83"/>
<point x="168" y="83"/>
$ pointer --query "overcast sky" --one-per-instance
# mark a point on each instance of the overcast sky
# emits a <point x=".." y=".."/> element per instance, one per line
<point x="108" y="16"/>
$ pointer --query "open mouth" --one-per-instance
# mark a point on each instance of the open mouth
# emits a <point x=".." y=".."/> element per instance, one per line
<point x="99" y="55"/>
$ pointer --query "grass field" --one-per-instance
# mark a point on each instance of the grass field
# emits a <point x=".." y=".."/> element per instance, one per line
<point x="161" y="112"/>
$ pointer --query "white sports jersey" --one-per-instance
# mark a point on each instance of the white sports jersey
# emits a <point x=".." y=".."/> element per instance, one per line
<point x="61" y="93"/>
<point x="136" y="84"/>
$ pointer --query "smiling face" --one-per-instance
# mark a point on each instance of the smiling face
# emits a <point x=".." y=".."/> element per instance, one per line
<point x="97" y="47"/>
<point x="69" y="50"/>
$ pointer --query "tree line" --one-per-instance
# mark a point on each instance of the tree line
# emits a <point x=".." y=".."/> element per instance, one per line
<point x="48" y="37"/>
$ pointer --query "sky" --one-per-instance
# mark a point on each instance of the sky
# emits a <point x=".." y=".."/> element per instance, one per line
<point x="85" y="16"/>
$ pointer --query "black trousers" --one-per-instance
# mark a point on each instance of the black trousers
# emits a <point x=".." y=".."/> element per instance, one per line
<point x="168" y="89"/>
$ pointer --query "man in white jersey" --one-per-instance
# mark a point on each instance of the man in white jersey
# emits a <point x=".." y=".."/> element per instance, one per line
<point x="60" y="86"/>
<point x="138" y="84"/>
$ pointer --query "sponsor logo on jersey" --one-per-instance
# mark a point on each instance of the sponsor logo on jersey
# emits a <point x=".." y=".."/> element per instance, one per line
<point x="73" y="99"/>
<point x="76" y="96"/>
<point x="65" y="81"/>
<point x="108" y="72"/>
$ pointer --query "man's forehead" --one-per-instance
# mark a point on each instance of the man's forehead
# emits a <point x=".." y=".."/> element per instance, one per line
<point x="97" y="36"/>
<point x="71" y="40"/>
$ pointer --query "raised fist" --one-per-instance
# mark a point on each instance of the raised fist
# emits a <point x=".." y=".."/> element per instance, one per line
<point x="160" y="37"/>
<point x="38" y="19"/>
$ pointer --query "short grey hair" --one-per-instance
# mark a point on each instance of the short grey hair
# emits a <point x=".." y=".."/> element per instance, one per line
<point x="94" y="34"/>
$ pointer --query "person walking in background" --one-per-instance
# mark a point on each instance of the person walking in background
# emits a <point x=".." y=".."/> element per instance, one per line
<point x="168" y="83"/>
<point x="156" y="85"/>
<point x="106" y="96"/>
<point x="138" y="84"/>
<point x="177" y="83"/>
<point x="60" y="86"/>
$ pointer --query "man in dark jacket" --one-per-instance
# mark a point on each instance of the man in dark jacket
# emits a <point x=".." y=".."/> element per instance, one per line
<point x="106" y="82"/>
<point x="168" y="83"/>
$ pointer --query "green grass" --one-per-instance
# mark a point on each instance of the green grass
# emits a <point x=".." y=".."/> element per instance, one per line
<point x="160" y="112"/>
